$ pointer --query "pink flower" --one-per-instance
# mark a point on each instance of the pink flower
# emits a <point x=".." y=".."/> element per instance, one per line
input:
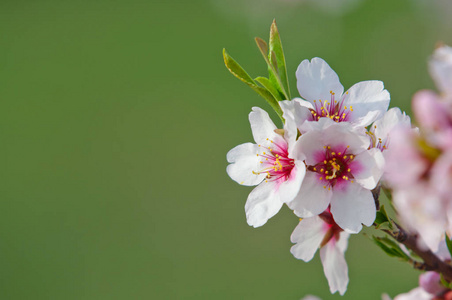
<point x="317" y="83"/>
<point x="321" y="231"/>
<point x="430" y="288"/>
<point x="341" y="172"/>
<point x="270" y="164"/>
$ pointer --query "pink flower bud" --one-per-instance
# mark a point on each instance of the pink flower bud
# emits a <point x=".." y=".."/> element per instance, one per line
<point x="430" y="282"/>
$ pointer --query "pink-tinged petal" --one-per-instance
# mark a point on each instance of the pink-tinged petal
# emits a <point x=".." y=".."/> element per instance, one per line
<point x="352" y="206"/>
<point x="244" y="163"/>
<point x="335" y="267"/>
<point x="392" y="118"/>
<point x="441" y="175"/>
<point x="312" y="199"/>
<point x="422" y="210"/>
<point x="415" y="294"/>
<point x="440" y="66"/>
<point x="431" y="283"/>
<point x="369" y="100"/>
<point x="326" y="132"/>
<point x="263" y="127"/>
<point x="262" y="204"/>
<point x="404" y="162"/>
<point x="307" y="237"/>
<point x="430" y="111"/>
<point x="290" y="187"/>
<point x="368" y="167"/>
<point x="315" y="80"/>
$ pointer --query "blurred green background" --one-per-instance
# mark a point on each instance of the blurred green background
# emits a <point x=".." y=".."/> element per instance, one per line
<point x="116" y="117"/>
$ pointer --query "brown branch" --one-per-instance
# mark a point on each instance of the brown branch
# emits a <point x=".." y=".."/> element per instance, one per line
<point x="431" y="261"/>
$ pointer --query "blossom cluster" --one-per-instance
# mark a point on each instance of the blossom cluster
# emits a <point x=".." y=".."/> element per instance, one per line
<point x="323" y="164"/>
<point x="421" y="172"/>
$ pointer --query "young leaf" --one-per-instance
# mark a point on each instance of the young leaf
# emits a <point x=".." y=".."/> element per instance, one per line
<point x="449" y="244"/>
<point x="382" y="217"/>
<point x="241" y="74"/>
<point x="236" y="69"/>
<point x="391" y="248"/>
<point x="273" y="73"/>
<point x="278" y="57"/>
<point x="269" y="86"/>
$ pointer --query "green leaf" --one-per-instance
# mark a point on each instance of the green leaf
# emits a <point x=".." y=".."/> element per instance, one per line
<point x="276" y="56"/>
<point x="273" y="73"/>
<point x="449" y="244"/>
<point x="269" y="86"/>
<point x="391" y="248"/>
<point x="382" y="217"/>
<point x="241" y="74"/>
<point x="236" y="69"/>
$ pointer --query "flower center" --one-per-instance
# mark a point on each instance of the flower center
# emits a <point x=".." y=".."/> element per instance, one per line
<point x="333" y="109"/>
<point x="334" y="167"/>
<point x="275" y="161"/>
<point x="378" y="142"/>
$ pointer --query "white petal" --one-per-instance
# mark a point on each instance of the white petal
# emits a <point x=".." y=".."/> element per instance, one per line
<point x="369" y="100"/>
<point x="326" y="132"/>
<point x="353" y="206"/>
<point x="262" y="204"/>
<point x="392" y="118"/>
<point x="312" y="199"/>
<point x="289" y="188"/>
<point x="262" y="126"/>
<point x="302" y="111"/>
<point x="244" y="161"/>
<point x="316" y="79"/>
<point x="335" y="267"/>
<point x="441" y="68"/>
<point x="415" y="294"/>
<point x="308" y="235"/>
<point x="368" y="167"/>
<point x="290" y="126"/>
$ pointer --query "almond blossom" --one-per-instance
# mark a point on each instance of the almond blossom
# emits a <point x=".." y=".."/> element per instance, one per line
<point x="270" y="164"/>
<point x="430" y="288"/>
<point x="419" y="166"/>
<point x="380" y="130"/>
<point x="341" y="172"/>
<point x="322" y="232"/>
<point x="324" y="96"/>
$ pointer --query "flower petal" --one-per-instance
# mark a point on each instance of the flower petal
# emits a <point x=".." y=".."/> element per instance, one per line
<point x="440" y="66"/>
<point x="415" y="294"/>
<point x="392" y="118"/>
<point x="353" y="206"/>
<point x="335" y="267"/>
<point x="289" y="188"/>
<point x="312" y="199"/>
<point x="243" y="161"/>
<point x="326" y="132"/>
<point x="262" y="126"/>
<point x="368" y="167"/>
<point x="315" y="80"/>
<point x="369" y="100"/>
<point x="307" y="237"/>
<point x="262" y="204"/>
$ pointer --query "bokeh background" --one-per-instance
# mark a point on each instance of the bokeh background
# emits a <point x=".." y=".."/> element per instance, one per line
<point x="115" y="120"/>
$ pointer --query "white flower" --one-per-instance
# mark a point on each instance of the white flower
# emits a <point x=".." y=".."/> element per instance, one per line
<point x="270" y="165"/>
<point x="321" y="231"/>
<point x="381" y="129"/>
<point x="341" y="171"/>
<point x="363" y="103"/>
